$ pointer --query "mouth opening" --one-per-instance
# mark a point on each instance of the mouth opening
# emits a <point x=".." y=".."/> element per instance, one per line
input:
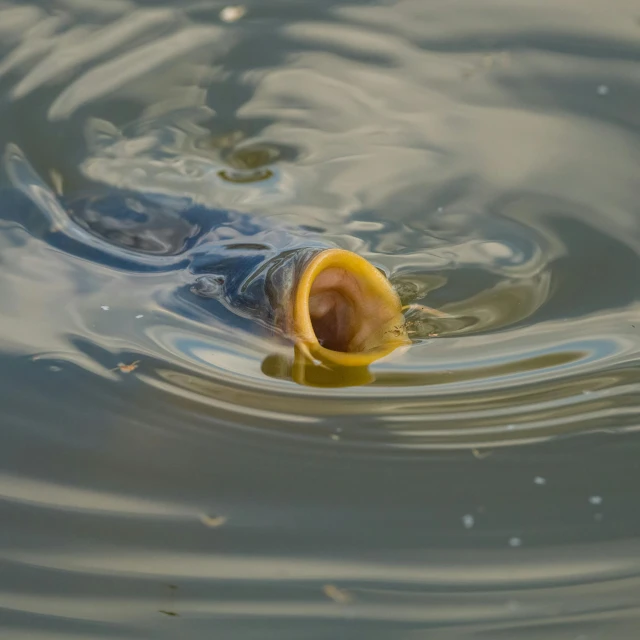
<point x="342" y="315"/>
<point x="346" y="310"/>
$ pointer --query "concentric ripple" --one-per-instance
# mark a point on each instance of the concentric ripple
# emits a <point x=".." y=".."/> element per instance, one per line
<point x="526" y="241"/>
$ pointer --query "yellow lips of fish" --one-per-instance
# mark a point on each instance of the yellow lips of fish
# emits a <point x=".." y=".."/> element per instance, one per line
<point x="345" y="312"/>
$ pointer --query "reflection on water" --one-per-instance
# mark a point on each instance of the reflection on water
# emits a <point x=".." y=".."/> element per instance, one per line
<point x="162" y="475"/>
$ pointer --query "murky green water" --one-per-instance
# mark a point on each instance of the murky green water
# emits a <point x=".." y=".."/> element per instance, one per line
<point x="161" y="478"/>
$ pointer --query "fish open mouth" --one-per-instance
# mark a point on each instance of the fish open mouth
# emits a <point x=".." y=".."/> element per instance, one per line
<point x="346" y="311"/>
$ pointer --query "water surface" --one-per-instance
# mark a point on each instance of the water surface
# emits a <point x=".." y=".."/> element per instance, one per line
<point x="483" y="485"/>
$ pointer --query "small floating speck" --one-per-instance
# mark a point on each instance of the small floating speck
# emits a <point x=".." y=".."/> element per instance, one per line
<point x="55" y="368"/>
<point x="334" y="436"/>
<point x="515" y="542"/>
<point x="480" y="454"/>
<point x="540" y="480"/>
<point x="510" y="427"/>
<point x="603" y="90"/>
<point x="140" y="315"/>
<point x="105" y="307"/>
<point x="595" y="499"/>
<point x="468" y="521"/>
<point x="128" y="368"/>
<point x="337" y="595"/>
<point x="233" y="13"/>
<point x="598" y="516"/>
<point x="213" y="521"/>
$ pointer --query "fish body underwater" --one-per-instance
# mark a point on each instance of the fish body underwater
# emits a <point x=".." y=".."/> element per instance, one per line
<point x="339" y="310"/>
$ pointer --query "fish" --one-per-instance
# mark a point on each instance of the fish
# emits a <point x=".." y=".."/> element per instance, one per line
<point x="338" y="309"/>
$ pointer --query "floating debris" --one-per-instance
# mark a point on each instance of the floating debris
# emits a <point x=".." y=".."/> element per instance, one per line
<point x="127" y="368"/>
<point x="213" y="521"/>
<point x="603" y="90"/>
<point x="540" y="480"/>
<point x="172" y="597"/>
<point x="232" y="13"/>
<point x="105" y="307"/>
<point x="515" y="542"/>
<point x="595" y="499"/>
<point x="480" y="455"/>
<point x="54" y="368"/>
<point x="468" y="521"/>
<point x="139" y="316"/>
<point x="337" y="595"/>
